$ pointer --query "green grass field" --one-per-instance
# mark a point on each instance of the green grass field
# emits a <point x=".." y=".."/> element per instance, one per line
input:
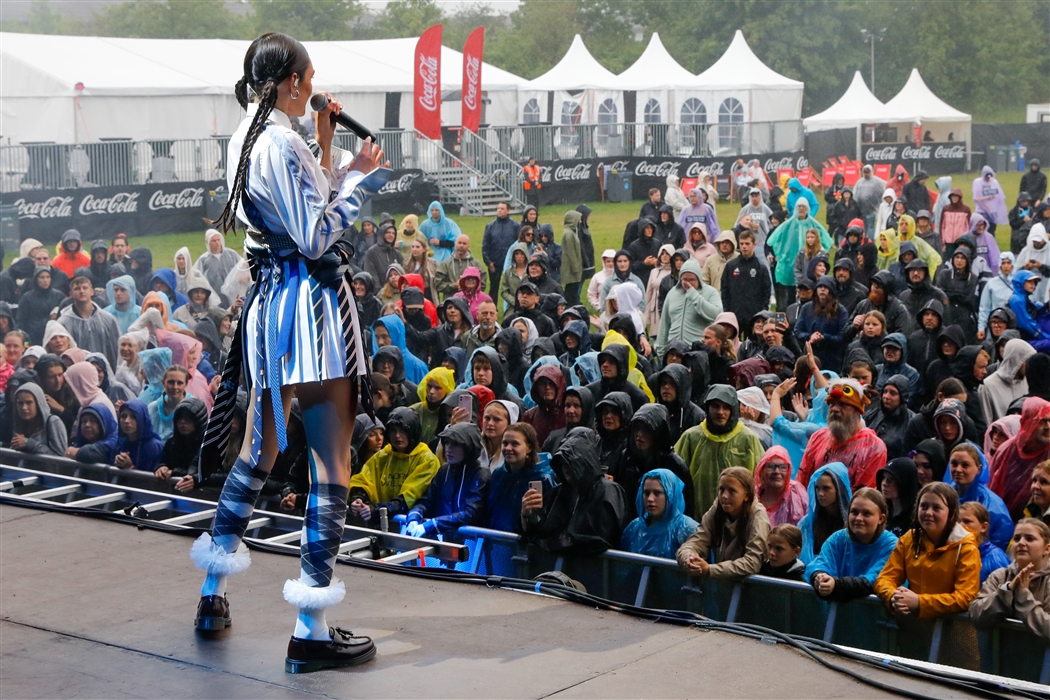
<point x="607" y="223"/>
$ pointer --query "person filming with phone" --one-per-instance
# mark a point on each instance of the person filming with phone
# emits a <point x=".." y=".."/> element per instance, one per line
<point x="586" y="513"/>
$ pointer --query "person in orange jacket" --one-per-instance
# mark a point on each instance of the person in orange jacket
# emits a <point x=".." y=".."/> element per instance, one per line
<point x="940" y="561"/>
<point x="533" y="183"/>
<point x="71" y="255"/>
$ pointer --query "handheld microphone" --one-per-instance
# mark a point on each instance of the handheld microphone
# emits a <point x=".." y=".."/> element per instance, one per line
<point x="320" y="101"/>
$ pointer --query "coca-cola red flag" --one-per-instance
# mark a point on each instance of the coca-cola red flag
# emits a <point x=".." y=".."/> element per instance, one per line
<point x="472" y="58"/>
<point x="427" y="95"/>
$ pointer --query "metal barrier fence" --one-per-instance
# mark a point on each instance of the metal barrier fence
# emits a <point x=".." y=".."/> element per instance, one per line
<point x="792" y="607"/>
<point x="114" y="162"/>
<point x="548" y="142"/>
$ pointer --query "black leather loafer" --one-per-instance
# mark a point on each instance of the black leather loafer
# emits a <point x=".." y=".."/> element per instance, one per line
<point x="213" y="614"/>
<point x="343" y="649"/>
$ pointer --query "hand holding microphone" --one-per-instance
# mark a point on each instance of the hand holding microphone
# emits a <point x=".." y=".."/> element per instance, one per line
<point x="321" y="100"/>
<point x="370" y="156"/>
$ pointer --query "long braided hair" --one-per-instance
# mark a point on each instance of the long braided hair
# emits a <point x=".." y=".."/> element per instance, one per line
<point x="271" y="59"/>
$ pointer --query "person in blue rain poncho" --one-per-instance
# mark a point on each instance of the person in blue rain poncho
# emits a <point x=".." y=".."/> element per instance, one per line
<point x="125" y="309"/>
<point x="96" y="438"/>
<point x="1025" y="309"/>
<point x="139" y="446"/>
<point x="153" y="362"/>
<point x="829" y="500"/>
<point x="969" y="475"/>
<point x="441" y="232"/>
<point x="662" y="525"/>
<point x="797" y="190"/>
<point x="390" y="330"/>
<point x="852" y="558"/>
<point x="164" y="282"/>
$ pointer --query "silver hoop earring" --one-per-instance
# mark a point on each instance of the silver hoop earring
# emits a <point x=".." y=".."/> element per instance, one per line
<point x="295" y="96"/>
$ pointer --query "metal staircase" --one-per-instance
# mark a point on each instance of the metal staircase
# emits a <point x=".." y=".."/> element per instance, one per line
<point x="477" y="180"/>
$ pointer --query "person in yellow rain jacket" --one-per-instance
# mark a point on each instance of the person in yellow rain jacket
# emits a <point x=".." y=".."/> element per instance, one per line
<point x="396" y="476"/>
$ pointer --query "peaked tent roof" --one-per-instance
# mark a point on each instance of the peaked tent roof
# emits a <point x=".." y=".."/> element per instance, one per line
<point x="856" y="106"/>
<point x="916" y="98"/>
<point x="739" y="68"/>
<point x="577" y="70"/>
<point x="655" y="69"/>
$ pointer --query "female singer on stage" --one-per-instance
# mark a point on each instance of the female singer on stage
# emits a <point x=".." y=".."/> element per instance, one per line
<point x="299" y="332"/>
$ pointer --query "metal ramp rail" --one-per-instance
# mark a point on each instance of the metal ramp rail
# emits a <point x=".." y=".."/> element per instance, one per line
<point x="23" y="485"/>
<point x="1007" y="649"/>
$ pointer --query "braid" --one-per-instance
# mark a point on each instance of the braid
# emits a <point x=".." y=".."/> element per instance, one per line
<point x="267" y="101"/>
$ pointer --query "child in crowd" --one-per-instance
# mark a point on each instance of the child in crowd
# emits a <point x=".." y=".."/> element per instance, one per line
<point x="974" y="517"/>
<point x="735" y="530"/>
<point x="785" y="544"/>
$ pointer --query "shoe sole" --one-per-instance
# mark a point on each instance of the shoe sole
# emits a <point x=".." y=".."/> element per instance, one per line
<point x="212" y="624"/>
<point x="293" y="666"/>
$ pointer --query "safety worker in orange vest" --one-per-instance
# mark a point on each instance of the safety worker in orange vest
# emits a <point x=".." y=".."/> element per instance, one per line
<point x="533" y="184"/>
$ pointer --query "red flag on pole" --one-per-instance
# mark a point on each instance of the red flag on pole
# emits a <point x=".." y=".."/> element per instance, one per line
<point x="427" y="94"/>
<point x="472" y="58"/>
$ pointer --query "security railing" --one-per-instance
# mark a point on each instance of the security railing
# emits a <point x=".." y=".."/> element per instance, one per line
<point x="551" y="142"/>
<point x="791" y="607"/>
<point x="493" y="152"/>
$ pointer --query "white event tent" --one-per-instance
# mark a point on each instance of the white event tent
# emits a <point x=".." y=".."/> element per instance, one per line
<point x="857" y="106"/>
<point x="72" y="89"/>
<point x="739" y="87"/>
<point x="933" y="113"/>
<point x="583" y="92"/>
<point x="654" y="77"/>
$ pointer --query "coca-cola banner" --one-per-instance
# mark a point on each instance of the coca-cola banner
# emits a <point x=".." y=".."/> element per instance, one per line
<point x="934" y="158"/>
<point x="101" y="212"/>
<point x="575" y="181"/>
<point x="472" y="56"/>
<point x="427" y="95"/>
<point x="407" y="191"/>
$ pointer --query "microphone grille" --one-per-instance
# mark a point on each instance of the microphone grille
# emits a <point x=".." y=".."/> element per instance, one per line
<point x="318" y="102"/>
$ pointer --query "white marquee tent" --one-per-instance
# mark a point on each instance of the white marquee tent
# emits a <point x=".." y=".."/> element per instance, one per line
<point x="67" y="89"/>
<point x="856" y="106"/>
<point x="654" y="76"/>
<point x="935" y="115"/>
<point x="583" y="90"/>
<point x="739" y="87"/>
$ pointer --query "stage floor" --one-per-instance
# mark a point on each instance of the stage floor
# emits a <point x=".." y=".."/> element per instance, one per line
<point x="94" y="609"/>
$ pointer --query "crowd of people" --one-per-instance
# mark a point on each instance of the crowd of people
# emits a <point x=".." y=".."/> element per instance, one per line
<point x="862" y="404"/>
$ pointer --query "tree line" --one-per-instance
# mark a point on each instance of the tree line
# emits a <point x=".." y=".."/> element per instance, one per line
<point x="985" y="57"/>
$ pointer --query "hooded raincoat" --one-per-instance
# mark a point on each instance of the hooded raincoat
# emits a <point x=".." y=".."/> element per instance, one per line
<point x="444" y="230"/>
<point x="587" y="513"/>
<point x="813" y="538"/>
<point x="788" y="238"/>
<point x="1013" y="463"/>
<point x="989" y="197"/>
<point x="701" y="212"/>
<point x="216" y="267"/>
<point x="415" y="369"/>
<point x="793" y="502"/>
<point x="707" y="452"/>
<point x="663" y="537"/>
<point x="456" y="494"/>
<point x="1002" y="387"/>
<point x="50" y="438"/>
<point x="131" y="311"/>
<point x="395" y="479"/>
<point x="101" y="451"/>
<point x="145" y="450"/>
<point x="853" y="565"/>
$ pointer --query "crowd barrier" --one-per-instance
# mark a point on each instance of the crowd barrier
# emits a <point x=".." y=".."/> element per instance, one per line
<point x="1007" y="649"/>
<point x="791" y="607"/>
<point x="123" y="162"/>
